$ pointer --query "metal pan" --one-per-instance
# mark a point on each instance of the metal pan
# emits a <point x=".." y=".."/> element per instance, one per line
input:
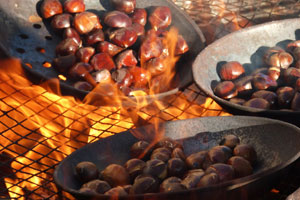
<point x="247" y="47"/>
<point x="277" y="144"/>
<point x="22" y="33"/>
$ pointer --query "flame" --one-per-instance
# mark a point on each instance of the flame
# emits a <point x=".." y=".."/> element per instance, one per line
<point x="40" y="127"/>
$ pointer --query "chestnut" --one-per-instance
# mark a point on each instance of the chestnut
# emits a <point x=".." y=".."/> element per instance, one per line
<point x="61" y="21"/>
<point x="257" y="103"/>
<point x="156" y="168"/>
<point x="123" y="37"/>
<point x="156" y="66"/>
<point x="66" y="47"/>
<point x="281" y="59"/>
<point x="237" y="100"/>
<point x="195" y="160"/>
<point x="126" y="58"/>
<point x="122" y="77"/>
<point x="117" y="19"/>
<point x="102" y="61"/>
<point x="139" y="16"/>
<point x="274" y="72"/>
<point x="80" y="70"/>
<point x="74" y="6"/>
<point x="87" y="191"/>
<point x="246" y="151"/>
<point x="231" y="70"/>
<point x="83" y="85"/>
<point x="296" y="102"/>
<point x="127" y="188"/>
<point x="172" y="187"/>
<point x="261" y="81"/>
<point x="146" y="184"/>
<point x="226" y="90"/>
<point x="85" y="53"/>
<point x="64" y="63"/>
<point x="97" y="185"/>
<point x="107" y="47"/>
<point x="151" y="47"/>
<point x="292" y="45"/>
<point x="102" y="76"/>
<point x="115" y="175"/>
<point x="168" y="143"/>
<point x="244" y="85"/>
<point x="86" y="171"/>
<point x="176" y="167"/>
<point x="141" y="77"/>
<point x="178" y="153"/>
<point x="172" y="179"/>
<point x="271" y="51"/>
<point x="191" y="179"/>
<point x="160" y="18"/>
<point x="116" y="192"/>
<point x="72" y="33"/>
<point x="241" y="166"/>
<point x="291" y="75"/>
<point x="140" y="149"/>
<point x="181" y="46"/>
<point x="224" y="171"/>
<point x="217" y="154"/>
<point x="126" y="6"/>
<point x="270" y="96"/>
<point x="162" y="154"/>
<point x="139" y="29"/>
<point x="85" y="22"/>
<point x="230" y="141"/>
<point x="285" y="96"/>
<point x="94" y="36"/>
<point x="50" y="8"/>
<point x="134" y="167"/>
<point x="208" y="180"/>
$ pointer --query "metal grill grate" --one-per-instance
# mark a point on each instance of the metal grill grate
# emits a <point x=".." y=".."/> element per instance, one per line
<point x="38" y="129"/>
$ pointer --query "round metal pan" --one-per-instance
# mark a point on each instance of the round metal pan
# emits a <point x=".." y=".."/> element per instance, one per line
<point x="246" y="46"/>
<point x="277" y="144"/>
<point x="23" y="33"/>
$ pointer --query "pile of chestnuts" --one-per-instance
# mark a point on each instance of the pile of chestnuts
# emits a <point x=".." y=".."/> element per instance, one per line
<point x="276" y="86"/>
<point x="113" y="49"/>
<point x="164" y="167"/>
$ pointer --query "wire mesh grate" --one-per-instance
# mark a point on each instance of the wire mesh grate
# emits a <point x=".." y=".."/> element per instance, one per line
<point x="38" y="129"/>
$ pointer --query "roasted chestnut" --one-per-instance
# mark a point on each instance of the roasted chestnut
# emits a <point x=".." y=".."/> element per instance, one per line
<point x="140" y="149"/>
<point x="61" y="21"/>
<point x="181" y="46"/>
<point x="126" y="58"/>
<point x="72" y="33"/>
<point x="291" y="75"/>
<point x="208" y="180"/>
<point x="178" y="153"/>
<point x="50" y="8"/>
<point x="122" y="77"/>
<point x="117" y="19"/>
<point x="168" y="143"/>
<point x="115" y="175"/>
<point x="156" y="168"/>
<point x="74" y="6"/>
<point x="146" y="184"/>
<point x="85" y="22"/>
<point x="162" y="154"/>
<point x="139" y="16"/>
<point x="94" y="36"/>
<point x="83" y="85"/>
<point x="134" y="167"/>
<point x="64" y="63"/>
<point x="139" y="29"/>
<point x="127" y="188"/>
<point x="281" y="59"/>
<point x="102" y="61"/>
<point x="246" y="151"/>
<point x="226" y="90"/>
<point x="141" y="77"/>
<point x="80" y="70"/>
<point x="176" y="167"/>
<point x="195" y="160"/>
<point x="261" y="81"/>
<point x="230" y="141"/>
<point x="224" y="171"/>
<point x="172" y="187"/>
<point x="123" y="37"/>
<point x="237" y="101"/>
<point x="241" y="166"/>
<point x="102" y="76"/>
<point x="244" y="85"/>
<point x="156" y="66"/>
<point x="274" y="72"/>
<point x="66" y="47"/>
<point x="270" y="96"/>
<point x="297" y="85"/>
<point x="116" y="192"/>
<point x="285" y="96"/>
<point x="192" y="178"/>
<point x="85" y="53"/>
<point x="151" y="47"/>
<point x="217" y="154"/>
<point x="126" y="6"/>
<point x="86" y="171"/>
<point x="296" y="102"/>
<point x="231" y="70"/>
<point x="257" y="103"/>
<point x="97" y="185"/>
<point x="107" y="47"/>
<point x="160" y="18"/>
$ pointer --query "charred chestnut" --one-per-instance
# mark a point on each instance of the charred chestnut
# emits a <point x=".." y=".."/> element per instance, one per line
<point x="97" y="185"/>
<point x="74" y="6"/>
<point x="134" y="167"/>
<point x="126" y="6"/>
<point x="241" y="166"/>
<point x="50" y="8"/>
<point x="117" y="19"/>
<point x="246" y="151"/>
<point x="231" y="70"/>
<point x="226" y="90"/>
<point x="86" y="171"/>
<point x="176" y="167"/>
<point x="115" y="175"/>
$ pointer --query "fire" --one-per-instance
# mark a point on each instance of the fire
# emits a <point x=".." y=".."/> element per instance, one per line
<point x="40" y="127"/>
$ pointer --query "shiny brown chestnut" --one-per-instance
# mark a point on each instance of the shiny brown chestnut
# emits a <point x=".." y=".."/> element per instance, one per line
<point x="72" y="33"/>
<point x="115" y="175"/>
<point x="181" y="46"/>
<point x="66" y="47"/>
<point x="97" y="185"/>
<point x="151" y="47"/>
<point x="285" y="96"/>
<point x="85" y="22"/>
<point x="241" y="166"/>
<point x="83" y="85"/>
<point x="50" y="8"/>
<point x="102" y="61"/>
<point x="110" y="48"/>
<point x="64" y="63"/>
<point x="173" y="187"/>
<point x="102" y="76"/>
<point x="160" y="156"/>
<point x="61" y="21"/>
<point x="86" y="171"/>
<point x="270" y="96"/>
<point x="123" y="37"/>
<point x="74" y="6"/>
<point x="244" y="85"/>
<point x="230" y="141"/>
<point x="274" y="72"/>
<point x="140" y="149"/>
<point x="237" y="100"/>
<point x="176" y="167"/>
<point x="295" y="105"/>
<point x="217" y="154"/>
<point x="139" y="16"/>
<point x="281" y="59"/>
<point x="291" y="75"/>
<point x="141" y="77"/>
<point x="156" y="66"/>
<point x="262" y="82"/>
<point x="117" y="19"/>
<point x="163" y="150"/>
<point x="134" y="167"/>
<point x="271" y="51"/>
<point x="139" y="29"/>
<point x="156" y="168"/>
<point x="160" y="18"/>
<point x="82" y="70"/>
<point x="166" y="185"/>
<point x="146" y="184"/>
<point x="85" y="53"/>
<point x="257" y="103"/>
<point x="231" y="70"/>
<point x="224" y="171"/>
<point x="246" y="151"/>
<point x="226" y="90"/>
<point x="126" y="58"/>
<point x="208" y="180"/>
<point x="94" y="36"/>
<point x="116" y="192"/>
<point x="192" y="178"/>
<point x="195" y="160"/>
<point x="292" y="45"/>
<point x="126" y="6"/>
<point x="122" y="77"/>
<point x="178" y="153"/>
